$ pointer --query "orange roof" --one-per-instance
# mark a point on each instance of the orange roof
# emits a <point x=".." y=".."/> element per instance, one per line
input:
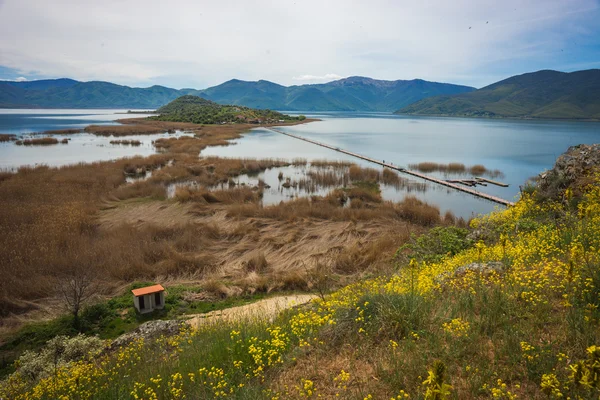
<point x="147" y="290"/>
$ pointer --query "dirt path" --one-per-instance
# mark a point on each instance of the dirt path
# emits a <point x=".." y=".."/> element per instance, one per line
<point x="263" y="309"/>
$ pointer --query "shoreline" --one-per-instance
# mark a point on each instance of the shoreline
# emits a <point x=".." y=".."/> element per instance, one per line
<point x="498" y="118"/>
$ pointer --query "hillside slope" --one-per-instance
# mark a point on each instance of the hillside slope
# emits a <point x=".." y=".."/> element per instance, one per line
<point x="542" y="94"/>
<point x="509" y="309"/>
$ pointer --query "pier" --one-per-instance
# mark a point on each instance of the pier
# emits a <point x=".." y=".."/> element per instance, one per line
<point x="404" y="170"/>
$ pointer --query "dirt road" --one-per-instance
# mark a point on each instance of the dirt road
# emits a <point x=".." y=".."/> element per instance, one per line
<point x="263" y="309"/>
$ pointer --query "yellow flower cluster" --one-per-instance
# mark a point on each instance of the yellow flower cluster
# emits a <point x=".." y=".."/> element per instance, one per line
<point x="500" y="390"/>
<point x="457" y="327"/>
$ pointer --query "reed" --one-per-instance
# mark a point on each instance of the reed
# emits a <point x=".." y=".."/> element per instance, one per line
<point x="456" y="168"/>
<point x="74" y="131"/>
<point x="126" y="142"/>
<point x="38" y="141"/>
<point x="7" y="137"/>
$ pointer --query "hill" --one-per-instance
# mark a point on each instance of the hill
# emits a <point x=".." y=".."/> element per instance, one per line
<point x="197" y="110"/>
<point x="542" y="94"/>
<point x="350" y="94"/>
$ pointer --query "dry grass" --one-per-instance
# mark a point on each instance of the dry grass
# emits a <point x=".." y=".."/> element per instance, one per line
<point x="230" y="196"/>
<point x="52" y="219"/>
<point x="141" y="126"/>
<point x="126" y="142"/>
<point x="61" y="132"/>
<point x="7" y="137"/>
<point x="330" y="163"/>
<point x="357" y="173"/>
<point x="37" y="142"/>
<point x="456" y="168"/>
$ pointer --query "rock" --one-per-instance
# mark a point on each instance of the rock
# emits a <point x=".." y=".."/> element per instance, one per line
<point x="149" y="330"/>
<point x="482" y="268"/>
<point x="569" y="171"/>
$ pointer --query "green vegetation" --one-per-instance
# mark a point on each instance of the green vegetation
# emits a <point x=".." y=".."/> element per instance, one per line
<point x="542" y="94"/>
<point x="112" y="318"/>
<point x="197" y="110"/>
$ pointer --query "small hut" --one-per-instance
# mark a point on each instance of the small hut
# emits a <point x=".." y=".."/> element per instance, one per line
<point x="149" y="298"/>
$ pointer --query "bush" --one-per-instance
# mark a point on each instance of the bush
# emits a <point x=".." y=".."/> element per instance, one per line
<point x="434" y="245"/>
<point x="58" y="351"/>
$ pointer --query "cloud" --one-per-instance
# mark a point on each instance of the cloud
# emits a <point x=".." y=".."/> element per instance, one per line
<point x="21" y="79"/>
<point x="463" y="41"/>
<point x="326" y="77"/>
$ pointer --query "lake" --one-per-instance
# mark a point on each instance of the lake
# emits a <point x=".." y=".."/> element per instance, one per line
<point x="81" y="148"/>
<point x="520" y="149"/>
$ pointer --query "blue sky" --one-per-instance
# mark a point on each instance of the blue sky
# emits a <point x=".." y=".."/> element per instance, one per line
<point x="185" y="43"/>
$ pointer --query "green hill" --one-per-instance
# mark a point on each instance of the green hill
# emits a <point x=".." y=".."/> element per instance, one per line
<point x="542" y="94"/>
<point x="201" y="111"/>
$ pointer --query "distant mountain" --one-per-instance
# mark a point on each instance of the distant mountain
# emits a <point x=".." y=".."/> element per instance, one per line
<point x="542" y="94"/>
<point x="201" y="111"/>
<point x="350" y="94"/>
<point x="67" y="93"/>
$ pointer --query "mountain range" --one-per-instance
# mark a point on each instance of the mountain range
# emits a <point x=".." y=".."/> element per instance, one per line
<point x="348" y="94"/>
<point x="541" y="94"/>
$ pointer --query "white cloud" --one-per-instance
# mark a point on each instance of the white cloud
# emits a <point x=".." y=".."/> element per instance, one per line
<point x="21" y="79"/>
<point x="326" y="77"/>
<point x="203" y="43"/>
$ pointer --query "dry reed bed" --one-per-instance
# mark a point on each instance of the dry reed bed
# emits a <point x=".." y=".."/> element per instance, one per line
<point x="53" y="221"/>
<point x="140" y="126"/>
<point x="48" y="220"/>
<point x="39" y="142"/>
<point x="7" y="137"/>
<point x="126" y="142"/>
<point x="456" y="168"/>
<point x="73" y="131"/>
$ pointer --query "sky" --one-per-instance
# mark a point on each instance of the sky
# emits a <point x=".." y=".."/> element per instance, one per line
<point x="202" y="43"/>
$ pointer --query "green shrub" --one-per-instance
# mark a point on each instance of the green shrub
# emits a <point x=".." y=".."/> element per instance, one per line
<point x="57" y="352"/>
<point x="434" y="245"/>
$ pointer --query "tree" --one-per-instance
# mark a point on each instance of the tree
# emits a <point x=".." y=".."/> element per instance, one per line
<point x="76" y="285"/>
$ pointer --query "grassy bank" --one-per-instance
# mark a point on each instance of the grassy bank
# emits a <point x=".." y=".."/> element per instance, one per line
<point x="506" y="310"/>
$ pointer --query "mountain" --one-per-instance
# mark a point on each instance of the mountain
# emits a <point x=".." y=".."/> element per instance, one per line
<point x="349" y="94"/>
<point x="67" y="93"/>
<point x="195" y="109"/>
<point x="542" y="94"/>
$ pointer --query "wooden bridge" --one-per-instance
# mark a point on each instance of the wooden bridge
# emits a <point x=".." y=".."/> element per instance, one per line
<point x="403" y="170"/>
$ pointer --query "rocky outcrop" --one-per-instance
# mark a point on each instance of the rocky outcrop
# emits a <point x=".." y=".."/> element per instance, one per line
<point x="149" y="330"/>
<point x="572" y="170"/>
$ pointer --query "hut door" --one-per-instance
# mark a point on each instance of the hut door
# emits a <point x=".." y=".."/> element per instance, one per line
<point x="142" y="306"/>
<point x="157" y="299"/>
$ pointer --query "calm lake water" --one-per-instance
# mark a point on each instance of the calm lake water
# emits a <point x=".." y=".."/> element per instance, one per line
<point x="520" y="149"/>
<point x="81" y="148"/>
